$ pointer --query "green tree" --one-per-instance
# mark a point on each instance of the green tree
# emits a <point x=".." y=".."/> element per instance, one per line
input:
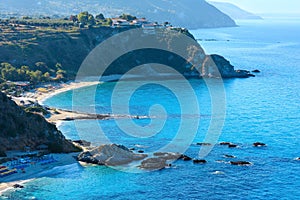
<point x="108" y="22"/>
<point x="46" y="76"/>
<point x="128" y="17"/>
<point x="41" y="66"/>
<point x="86" y="18"/>
<point x="83" y="17"/>
<point x="91" y="20"/>
<point x="58" y="66"/>
<point x="100" y="17"/>
<point x="9" y="72"/>
<point x="35" y="76"/>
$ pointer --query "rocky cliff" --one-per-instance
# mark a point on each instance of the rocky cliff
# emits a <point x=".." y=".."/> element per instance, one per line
<point x="19" y="129"/>
<point x="71" y="48"/>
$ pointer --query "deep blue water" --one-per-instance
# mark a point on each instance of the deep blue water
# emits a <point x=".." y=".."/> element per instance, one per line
<point x="265" y="108"/>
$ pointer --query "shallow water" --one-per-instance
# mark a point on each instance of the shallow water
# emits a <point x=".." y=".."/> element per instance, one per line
<point x="264" y="108"/>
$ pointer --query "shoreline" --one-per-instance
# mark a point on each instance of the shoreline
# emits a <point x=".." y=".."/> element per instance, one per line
<point x="42" y="97"/>
<point x="35" y="171"/>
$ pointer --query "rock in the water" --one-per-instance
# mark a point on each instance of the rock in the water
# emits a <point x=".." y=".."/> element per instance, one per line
<point x="185" y="157"/>
<point x="259" y="144"/>
<point x="217" y="66"/>
<point x="140" y="151"/>
<point x="154" y="164"/>
<point x="110" y="154"/>
<point x="160" y="161"/>
<point x="256" y="71"/>
<point x="18" y="186"/>
<point x="241" y="163"/>
<point x="196" y="161"/>
<point x="225" y="143"/>
<point x="229" y="144"/>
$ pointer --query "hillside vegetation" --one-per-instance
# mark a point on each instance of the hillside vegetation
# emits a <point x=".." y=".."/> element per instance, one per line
<point x="192" y="14"/>
<point x="20" y="129"/>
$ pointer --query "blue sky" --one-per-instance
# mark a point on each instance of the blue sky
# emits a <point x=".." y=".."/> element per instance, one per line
<point x="267" y="6"/>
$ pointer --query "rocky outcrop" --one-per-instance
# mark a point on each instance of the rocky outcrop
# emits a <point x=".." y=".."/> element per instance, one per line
<point x="20" y="129"/>
<point x="217" y="66"/>
<point x="154" y="163"/>
<point x="110" y="154"/>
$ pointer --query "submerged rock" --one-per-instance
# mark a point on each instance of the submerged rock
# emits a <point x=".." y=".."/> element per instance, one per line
<point x="154" y="163"/>
<point x="168" y="156"/>
<point x="110" y="154"/>
<point x="218" y="173"/>
<point x="204" y="144"/>
<point x="229" y="156"/>
<point x="160" y="160"/>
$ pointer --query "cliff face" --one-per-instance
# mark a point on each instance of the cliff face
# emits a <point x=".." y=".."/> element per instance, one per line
<point x="19" y="129"/>
<point x="192" y="14"/>
<point x="225" y="69"/>
<point x="71" y="48"/>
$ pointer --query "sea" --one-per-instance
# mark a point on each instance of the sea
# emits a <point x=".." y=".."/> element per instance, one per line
<point x="265" y="108"/>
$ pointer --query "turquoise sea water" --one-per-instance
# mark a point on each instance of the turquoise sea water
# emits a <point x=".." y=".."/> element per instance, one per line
<point x="265" y="108"/>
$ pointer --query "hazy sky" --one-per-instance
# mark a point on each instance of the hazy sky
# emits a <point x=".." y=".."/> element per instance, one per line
<point x="267" y="6"/>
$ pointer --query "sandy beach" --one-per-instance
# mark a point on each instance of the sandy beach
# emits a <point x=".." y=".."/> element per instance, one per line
<point x="35" y="171"/>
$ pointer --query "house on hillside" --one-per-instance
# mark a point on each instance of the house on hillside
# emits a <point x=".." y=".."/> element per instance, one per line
<point x="140" y="22"/>
<point x="118" y="22"/>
